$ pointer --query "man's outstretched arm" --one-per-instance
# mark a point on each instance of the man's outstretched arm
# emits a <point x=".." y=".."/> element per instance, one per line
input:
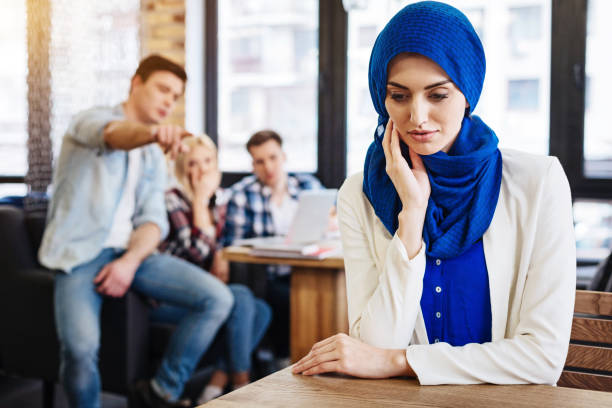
<point x="128" y="135"/>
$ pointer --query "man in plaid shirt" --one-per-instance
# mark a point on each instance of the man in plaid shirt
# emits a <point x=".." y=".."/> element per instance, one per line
<point x="262" y="205"/>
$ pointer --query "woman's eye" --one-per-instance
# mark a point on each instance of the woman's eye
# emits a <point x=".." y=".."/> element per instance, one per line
<point x="438" y="96"/>
<point x="398" y="97"/>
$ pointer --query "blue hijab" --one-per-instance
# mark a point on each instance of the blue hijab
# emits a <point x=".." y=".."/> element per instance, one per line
<point x="465" y="182"/>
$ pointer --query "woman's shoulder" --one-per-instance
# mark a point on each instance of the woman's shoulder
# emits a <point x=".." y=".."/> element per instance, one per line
<point x="524" y="159"/>
<point x="352" y="187"/>
<point x="351" y="198"/>
<point x="526" y="165"/>
<point x="530" y="172"/>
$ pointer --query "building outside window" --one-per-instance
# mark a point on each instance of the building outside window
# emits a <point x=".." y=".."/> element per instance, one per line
<point x="597" y="133"/>
<point x="594" y="217"/>
<point x="268" y="79"/>
<point x="523" y="94"/>
<point x="13" y="103"/>
<point x="515" y="99"/>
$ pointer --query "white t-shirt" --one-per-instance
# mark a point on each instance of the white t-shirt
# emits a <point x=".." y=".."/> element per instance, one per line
<point x="121" y="230"/>
<point x="282" y="215"/>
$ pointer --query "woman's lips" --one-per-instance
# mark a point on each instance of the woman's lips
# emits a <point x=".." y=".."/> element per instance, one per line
<point x="422" y="135"/>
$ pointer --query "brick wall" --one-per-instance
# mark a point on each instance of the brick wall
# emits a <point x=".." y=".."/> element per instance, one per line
<point x="163" y="32"/>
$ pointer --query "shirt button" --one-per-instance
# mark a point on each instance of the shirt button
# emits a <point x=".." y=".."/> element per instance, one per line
<point x="438" y="262"/>
<point x="436" y="340"/>
<point x="438" y="289"/>
<point x="438" y="314"/>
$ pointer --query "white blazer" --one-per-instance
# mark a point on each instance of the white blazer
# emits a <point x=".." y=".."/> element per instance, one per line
<point x="530" y="254"/>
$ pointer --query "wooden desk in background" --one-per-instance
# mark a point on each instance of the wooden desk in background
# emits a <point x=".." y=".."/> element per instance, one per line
<point x="283" y="389"/>
<point x="318" y="297"/>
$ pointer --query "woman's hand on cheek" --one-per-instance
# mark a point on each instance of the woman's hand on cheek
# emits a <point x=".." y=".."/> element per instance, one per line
<point x="344" y="354"/>
<point x="412" y="186"/>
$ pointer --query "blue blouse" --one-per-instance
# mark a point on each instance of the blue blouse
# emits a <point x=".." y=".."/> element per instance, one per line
<point x="456" y="302"/>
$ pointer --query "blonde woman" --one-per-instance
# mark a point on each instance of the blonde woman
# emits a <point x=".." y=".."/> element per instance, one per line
<point x="196" y="221"/>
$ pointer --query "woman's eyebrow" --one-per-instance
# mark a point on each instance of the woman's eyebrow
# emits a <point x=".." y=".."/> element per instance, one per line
<point x="395" y="84"/>
<point x="427" y="87"/>
<point x="437" y="84"/>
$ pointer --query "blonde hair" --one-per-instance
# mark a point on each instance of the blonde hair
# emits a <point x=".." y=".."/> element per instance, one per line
<point x="191" y="142"/>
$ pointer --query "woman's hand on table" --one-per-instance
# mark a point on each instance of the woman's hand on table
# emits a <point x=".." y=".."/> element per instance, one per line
<point x="344" y="354"/>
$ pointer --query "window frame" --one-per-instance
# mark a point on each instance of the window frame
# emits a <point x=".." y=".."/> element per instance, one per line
<point x="567" y="98"/>
<point x="332" y="89"/>
<point x="567" y="94"/>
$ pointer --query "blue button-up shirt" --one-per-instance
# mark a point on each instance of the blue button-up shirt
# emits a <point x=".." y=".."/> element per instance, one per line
<point x="456" y="301"/>
<point x="87" y="185"/>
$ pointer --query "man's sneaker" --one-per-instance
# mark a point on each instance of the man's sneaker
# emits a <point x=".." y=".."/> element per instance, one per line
<point x="145" y="397"/>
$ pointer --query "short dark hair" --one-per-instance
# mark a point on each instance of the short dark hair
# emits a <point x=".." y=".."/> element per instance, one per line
<point x="154" y="63"/>
<point x="262" y="137"/>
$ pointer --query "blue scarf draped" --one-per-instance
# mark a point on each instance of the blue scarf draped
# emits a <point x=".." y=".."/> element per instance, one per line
<point x="465" y="186"/>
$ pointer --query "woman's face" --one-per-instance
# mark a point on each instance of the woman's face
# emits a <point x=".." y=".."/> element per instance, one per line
<point x="200" y="161"/>
<point x="425" y="107"/>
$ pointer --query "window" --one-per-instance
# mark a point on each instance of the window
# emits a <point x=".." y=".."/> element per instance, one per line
<point x="598" y="88"/>
<point x="514" y="102"/>
<point x="593" y="228"/>
<point x="524" y="30"/>
<point x="92" y="46"/>
<point x="13" y="104"/>
<point x="523" y="94"/>
<point x="268" y="79"/>
<point x="581" y="63"/>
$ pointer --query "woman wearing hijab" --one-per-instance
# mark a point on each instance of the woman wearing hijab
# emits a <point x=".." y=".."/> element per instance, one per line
<point x="460" y="258"/>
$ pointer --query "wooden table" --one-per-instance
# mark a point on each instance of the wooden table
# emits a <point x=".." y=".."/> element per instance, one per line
<point x="283" y="389"/>
<point x="318" y="297"/>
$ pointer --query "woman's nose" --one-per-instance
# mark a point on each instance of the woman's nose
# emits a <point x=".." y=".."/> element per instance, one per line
<point x="418" y="113"/>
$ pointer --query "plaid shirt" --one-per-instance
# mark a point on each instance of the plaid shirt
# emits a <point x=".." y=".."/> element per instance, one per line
<point x="185" y="240"/>
<point x="248" y="208"/>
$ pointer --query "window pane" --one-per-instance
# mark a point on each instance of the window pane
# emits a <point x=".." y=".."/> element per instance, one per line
<point x="94" y="51"/>
<point x="597" y="135"/>
<point x="13" y="189"/>
<point x="268" y="72"/>
<point x="593" y="225"/>
<point x="593" y="228"/>
<point x="13" y="103"/>
<point x="516" y="93"/>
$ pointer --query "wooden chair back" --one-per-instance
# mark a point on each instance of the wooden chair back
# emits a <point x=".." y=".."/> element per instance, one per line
<point x="589" y="360"/>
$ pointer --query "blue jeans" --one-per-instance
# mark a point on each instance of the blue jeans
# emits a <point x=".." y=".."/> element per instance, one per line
<point x="207" y="303"/>
<point x="244" y="328"/>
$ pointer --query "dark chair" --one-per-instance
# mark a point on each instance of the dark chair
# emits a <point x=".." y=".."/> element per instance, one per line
<point x="602" y="281"/>
<point x="29" y="345"/>
<point x="589" y="360"/>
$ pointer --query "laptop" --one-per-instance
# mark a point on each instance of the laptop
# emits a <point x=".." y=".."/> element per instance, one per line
<point x="307" y="227"/>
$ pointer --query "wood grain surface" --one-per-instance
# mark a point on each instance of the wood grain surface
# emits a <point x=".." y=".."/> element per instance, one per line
<point x="593" y="303"/>
<point x="589" y="329"/>
<point x="241" y="254"/>
<point x="591" y="357"/>
<point x="318" y="307"/>
<point x="283" y="389"/>
<point x="587" y="381"/>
